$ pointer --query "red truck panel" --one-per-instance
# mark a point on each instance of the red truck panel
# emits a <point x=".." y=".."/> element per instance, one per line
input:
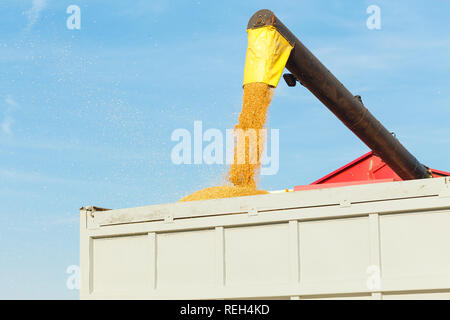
<point x="368" y="168"/>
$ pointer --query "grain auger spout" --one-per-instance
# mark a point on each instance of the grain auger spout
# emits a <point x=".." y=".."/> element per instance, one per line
<point x="272" y="47"/>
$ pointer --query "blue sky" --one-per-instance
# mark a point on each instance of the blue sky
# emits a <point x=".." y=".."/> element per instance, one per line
<point x="86" y="115"/>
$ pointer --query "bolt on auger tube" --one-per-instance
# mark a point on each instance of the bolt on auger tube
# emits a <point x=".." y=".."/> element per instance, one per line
<point x="312" y="74"/>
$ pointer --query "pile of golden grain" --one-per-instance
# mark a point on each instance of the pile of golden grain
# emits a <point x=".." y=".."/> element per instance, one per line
<point x="247" y="159"/>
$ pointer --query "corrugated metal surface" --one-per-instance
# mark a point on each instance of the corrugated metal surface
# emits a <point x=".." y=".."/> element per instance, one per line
<point x="384" y="240"/>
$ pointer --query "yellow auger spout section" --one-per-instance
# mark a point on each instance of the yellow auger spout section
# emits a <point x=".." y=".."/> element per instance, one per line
<point x="267" y="54"/>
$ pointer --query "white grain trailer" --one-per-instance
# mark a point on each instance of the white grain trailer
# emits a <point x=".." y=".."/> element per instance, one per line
<point x="375" y="241"/>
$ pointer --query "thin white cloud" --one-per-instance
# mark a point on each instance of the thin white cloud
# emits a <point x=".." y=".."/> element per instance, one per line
<point x="35" y="11"/>
<point x="6" y="125"/>
<point x="9" y="100"/>
<point x="7" y="122"/>
<point x="11" y="103"/>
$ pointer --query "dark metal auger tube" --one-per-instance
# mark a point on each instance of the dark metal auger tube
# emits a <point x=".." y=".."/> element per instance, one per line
<point x="312" y="74"/>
